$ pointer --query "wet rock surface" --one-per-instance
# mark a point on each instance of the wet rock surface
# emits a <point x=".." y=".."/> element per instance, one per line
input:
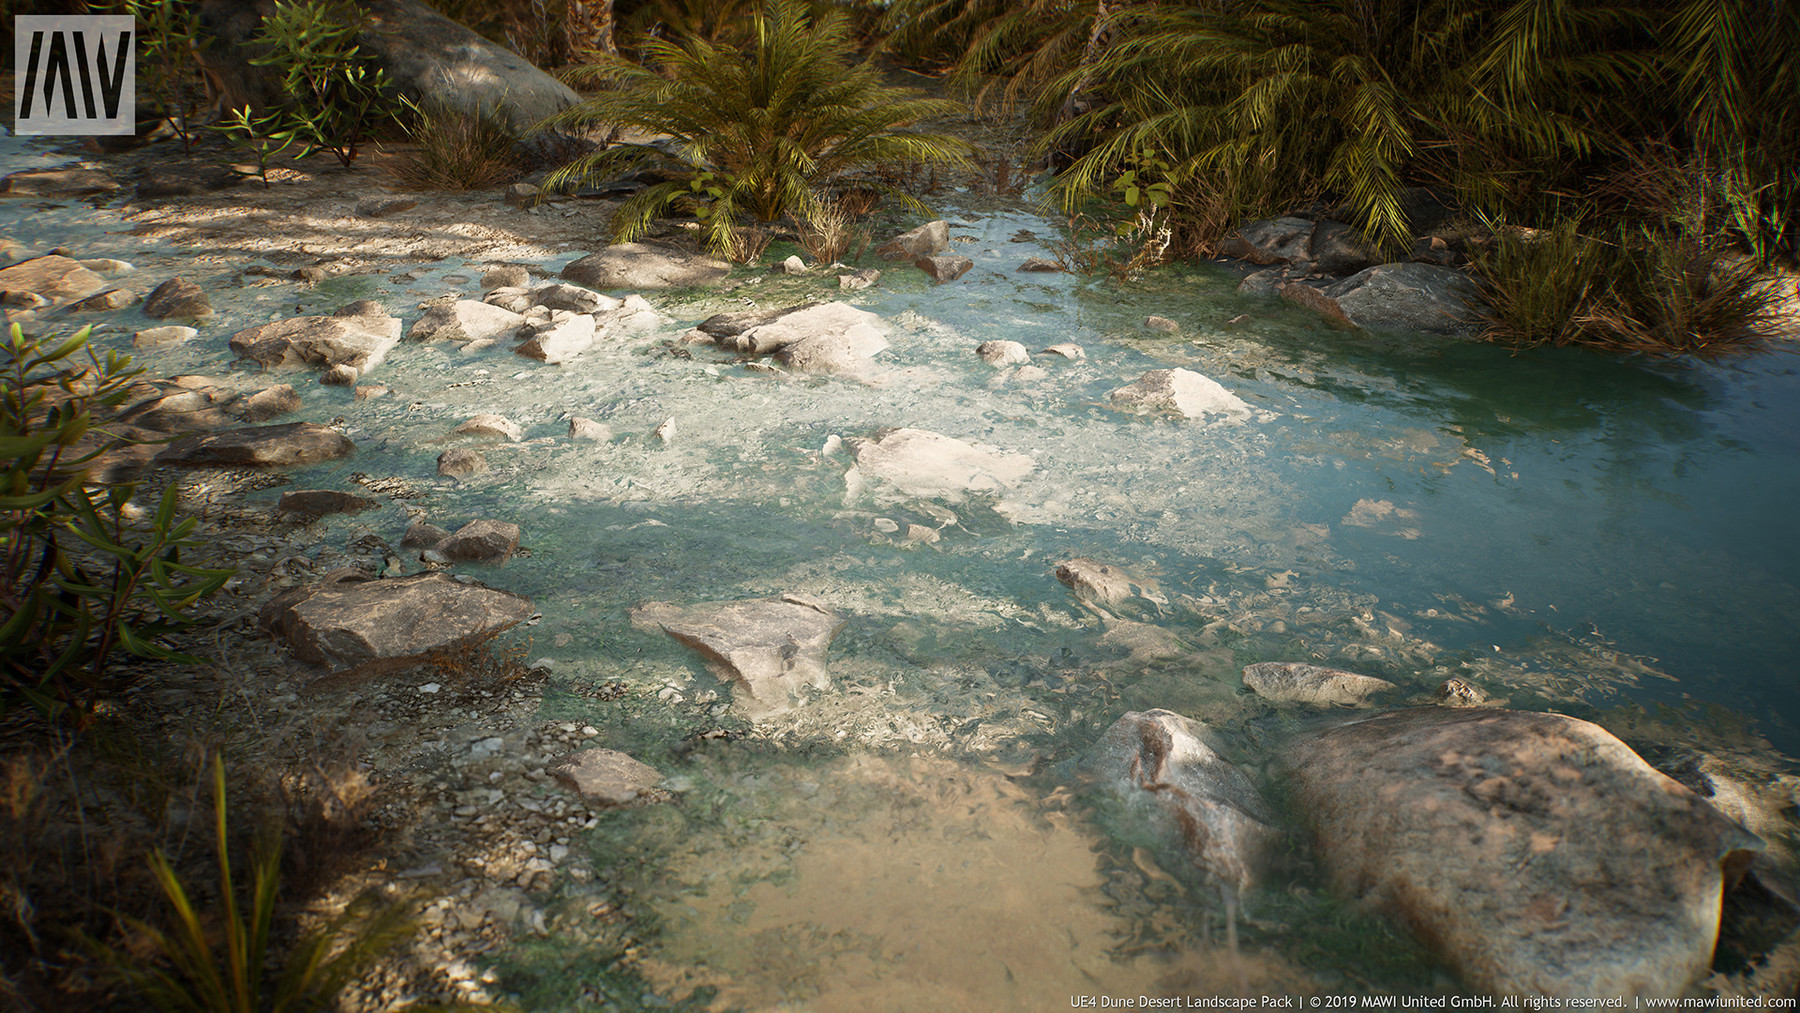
<point x="1295" y="682"/>
<point x="367" y="627"/>
<point x="1181" y="392"/>
<point x="916" y="462"/>
<point x="360" y="341"/>
<point x="605" y="776"/>
<point x="1535" y="852"/>
<point x="260" y="447"/>
<point x="642" y="266"/>
<point x="772" y="650"/>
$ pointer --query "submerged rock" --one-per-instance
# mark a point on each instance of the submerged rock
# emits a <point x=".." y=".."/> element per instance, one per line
<point x="916" y="462"/>
<point x="770" y="649"/>
<point x="365" y="627"/>
<point x="319" y="502"/>
<point x="1535" y="852"/>
<point x="482" y="541"/>
<point x="1159" y="765"/>
<point x="1102" y="582"/>
<point x="491" y="425"/>
<point x="461" y="462"/>
<point x="1002" y="353"/>
<point x="605" y="776"/>
<point x="1296" y="682"/>
<point x="280" y="446"/>
<point x="944" y="268"/>
<point x="1182" y="392"/>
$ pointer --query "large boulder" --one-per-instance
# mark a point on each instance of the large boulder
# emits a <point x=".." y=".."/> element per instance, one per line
<point x="774" y="331"/>
<point x="904" y="463"/>
<point x="1271" y="241"/>
<point x="361" y="342"/>
<point x="365" y="627"/>
<point x="282" y="446"/>
<point x="1535" y="852"/>
<point x="1180" y="392"/>
<point x="429" y="58"/>
<point x="1410" y="297"/>
<point x="927" y="240"/>
<point x="771" y="649"/>
<point x="641" y="266"/>
<point x="1159" y="765"/>
<point x="564" y="337"/>
<point x="463" y="320"/>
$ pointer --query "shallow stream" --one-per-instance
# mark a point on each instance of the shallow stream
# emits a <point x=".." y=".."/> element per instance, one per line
<point x="1606" y="538"/>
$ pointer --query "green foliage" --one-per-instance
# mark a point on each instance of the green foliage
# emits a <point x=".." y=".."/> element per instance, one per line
<point x="753" y="128"/>
<point x="79" y="578"/>
<point x="263" y="137"/>
<point x="333" y="99"/>
<point x="458" y="151"/>
<point x="1637" y="292"/>
<point x="1002" y="52"/>
<point x="168" y="72"/>
<point x="217" y="961"/>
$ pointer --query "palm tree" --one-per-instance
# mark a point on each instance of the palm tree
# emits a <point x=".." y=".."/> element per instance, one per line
<point x="754" y="127"/>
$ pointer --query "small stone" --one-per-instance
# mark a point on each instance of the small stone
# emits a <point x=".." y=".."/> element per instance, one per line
<point x="944" y="268"/>
<point x="1067" y="350"/>
<point x="429" y="688"/>
<point x="1457" y="693"/>
<point x="505" y="276"/>
<point x="382" y="207"/>
<point x="461" y="463"/>
<point x="604" y="776"/>
<point x="921" y="533"/>
<point x="177" y="297"/>
<point x="588" y="429"/>
<point x="111" y="299"/>
<point x="1040" y="265"/>
<point x="522" y="195"/>
<point x="666" y="431"/>
<point x="859" y="280"/>
<point x="310" y="275"/>
<point x="492" y="425"/>
<point x="370" y="391"/>
<point x="419" y="534"/>
<point x="886" y="525"/>
<point x="270" y="403"/>
<point x="1002" y="353"/>
<point x="1162" y="324"/>
<point x="485" y="541"/>
<point x="152" y="337"/>
<point x="361" y="308"/>
<point x="793" y="265"/>
<point x="340" y="375"/>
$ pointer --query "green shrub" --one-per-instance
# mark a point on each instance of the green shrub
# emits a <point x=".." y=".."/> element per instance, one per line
<point x="755" y="128"/>
<point x="333" y="99"/>
<point x="79" y="577"/>
<point x="168" y="72"/>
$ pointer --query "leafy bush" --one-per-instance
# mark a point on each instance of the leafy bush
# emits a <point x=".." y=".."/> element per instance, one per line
<point x="168" y="72"/>
<point x="334" y="99"/>
<point x="753" y="128"/>
<point x="79" y="577"/>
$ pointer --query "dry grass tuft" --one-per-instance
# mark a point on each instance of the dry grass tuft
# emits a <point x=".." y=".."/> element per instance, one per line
<point x="456" y="151"/>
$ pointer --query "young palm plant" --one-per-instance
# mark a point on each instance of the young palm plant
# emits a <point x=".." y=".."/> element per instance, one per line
<point x="753" y="128"/>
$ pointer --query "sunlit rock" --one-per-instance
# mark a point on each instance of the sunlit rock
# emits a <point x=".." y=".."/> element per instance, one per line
<point x="482" y="541"/>
<point x="833" y="320"/>
<point x="1296" y="682"/>
<point x="463" y="320"/>
<point x="915" y="462"/>
<point x="566" y="336"/>
<point x="1002" y="353"/>
<point x="772" y="650"/>
<point x="52" y="279"/>
<point x="1160" y="766"/>
<point x="364" y="627"/>
<point x="1102" y="582"/>
<point x="605" y="776"/>
<point x="641" y="266"/>
<point x="362" y="341"/>
<point x="927" y="240"/>
<point x="488" y="424"/>
<point x="944" y="267"/>
<point x="1535" y="852"/>
<point x="574" y="298"/>
<point x="1181" y="392"/>
<point x="461" y="462"/>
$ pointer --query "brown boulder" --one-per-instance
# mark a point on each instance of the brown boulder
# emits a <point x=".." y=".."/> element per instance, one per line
<point x="770" y="649"/>
<point x="281" y="446"/>
<point x="365" y="627"/>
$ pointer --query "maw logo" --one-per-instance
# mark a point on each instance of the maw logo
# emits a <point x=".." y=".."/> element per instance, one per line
<point x="74" y="74"/>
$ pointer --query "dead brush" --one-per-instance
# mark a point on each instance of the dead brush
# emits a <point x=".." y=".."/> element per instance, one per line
<point x="457" y="151"/>
<point x="828" y="233"/>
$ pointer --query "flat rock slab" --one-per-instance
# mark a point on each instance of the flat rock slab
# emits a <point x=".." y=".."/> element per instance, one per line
<point x="770" y="649"/>
<point x="917" y="462"/>
<point x="361" y="342"/>
<point x="463" y="320"/>
<point x="640" y="266"/>
<point x="1180" y="392"/>
<point x="1535" y="852"/>
<point x="51" y="278"/>
<point x="1296" y="682"/>
<point x="366" y="627"/>
<point x="319" y="502"/>
<point x="775" y="331"/>
<point x="605" y="776"/>
<point x="1160" y="765"/>
<point x="57" y="183"/>
<point x="280" y="446"/>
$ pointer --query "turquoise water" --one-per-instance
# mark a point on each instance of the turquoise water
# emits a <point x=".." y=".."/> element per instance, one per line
<point x="1565" y="530"/>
